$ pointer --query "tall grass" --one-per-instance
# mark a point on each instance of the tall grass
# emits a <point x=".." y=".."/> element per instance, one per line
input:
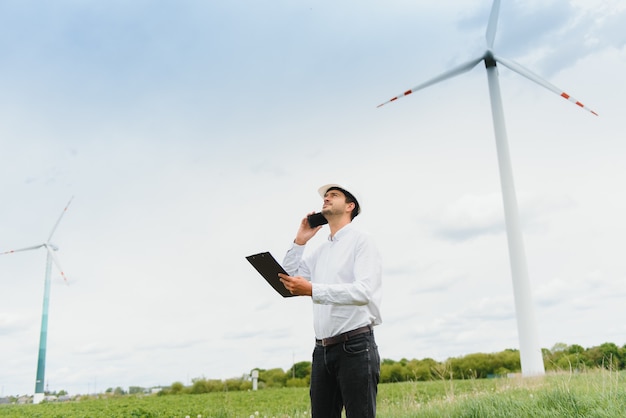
<point x="600" y="393"/>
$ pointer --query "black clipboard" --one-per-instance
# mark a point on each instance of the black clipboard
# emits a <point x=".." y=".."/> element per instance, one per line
<point x="269" y="268"/>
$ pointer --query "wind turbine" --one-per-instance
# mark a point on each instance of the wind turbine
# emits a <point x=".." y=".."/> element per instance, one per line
<point x="43" y="336"/>
<point x="530" y="350"/>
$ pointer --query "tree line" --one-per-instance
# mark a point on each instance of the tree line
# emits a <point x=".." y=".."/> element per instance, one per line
<point x="561" y="357"/>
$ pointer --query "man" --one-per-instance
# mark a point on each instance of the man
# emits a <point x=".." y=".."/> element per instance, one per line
<point x="343" y="278"/>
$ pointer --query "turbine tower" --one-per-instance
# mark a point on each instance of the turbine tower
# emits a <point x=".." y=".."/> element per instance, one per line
<point x="43" y="336"/>
<point x="530" y="350"/>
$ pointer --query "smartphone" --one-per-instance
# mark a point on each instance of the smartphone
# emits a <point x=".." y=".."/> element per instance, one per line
<point x="316" y="220"/>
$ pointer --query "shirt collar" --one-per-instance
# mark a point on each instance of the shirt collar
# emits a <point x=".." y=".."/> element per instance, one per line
<point x="344" y="230"/>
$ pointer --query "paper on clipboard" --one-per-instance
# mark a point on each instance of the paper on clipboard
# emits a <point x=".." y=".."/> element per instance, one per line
<point x="269" y="268"/>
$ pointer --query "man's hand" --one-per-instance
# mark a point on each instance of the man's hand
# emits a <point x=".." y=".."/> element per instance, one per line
<point x="296" y="285"/>
<point x="305" y="232"/>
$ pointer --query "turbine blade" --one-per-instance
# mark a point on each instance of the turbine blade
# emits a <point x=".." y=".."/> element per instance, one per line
<point x="59" y="220"/>
<point x="56" y="262"/>
<point x="534" y="77"/>
<point x="34" y="247"/>
<point x="492" y="26"/>
<point x="444" y="76"/>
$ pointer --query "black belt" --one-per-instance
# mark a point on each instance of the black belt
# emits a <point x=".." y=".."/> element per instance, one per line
<point x="344" y="336"/>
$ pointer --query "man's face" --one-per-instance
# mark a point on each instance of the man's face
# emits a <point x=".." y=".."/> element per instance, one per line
<point x="335" y="203"/>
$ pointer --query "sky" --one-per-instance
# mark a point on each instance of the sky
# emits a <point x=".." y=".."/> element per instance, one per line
<point x="192" y="134"/>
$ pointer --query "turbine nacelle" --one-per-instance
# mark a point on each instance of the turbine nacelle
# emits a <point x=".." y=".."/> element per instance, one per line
<point x="489" y="58"/>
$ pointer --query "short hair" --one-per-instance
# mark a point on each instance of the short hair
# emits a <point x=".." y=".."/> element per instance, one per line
<point x="349" y="199"/>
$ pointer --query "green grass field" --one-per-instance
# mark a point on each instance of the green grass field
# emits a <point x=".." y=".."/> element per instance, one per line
<point x="599" y="393"/>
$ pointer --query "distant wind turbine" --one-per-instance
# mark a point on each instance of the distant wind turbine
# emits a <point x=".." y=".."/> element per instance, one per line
<point x="530" y="350"/>
<point x="43" y="336"/>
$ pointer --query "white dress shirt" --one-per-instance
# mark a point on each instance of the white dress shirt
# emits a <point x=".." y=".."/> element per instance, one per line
<point x="346" y="276"/>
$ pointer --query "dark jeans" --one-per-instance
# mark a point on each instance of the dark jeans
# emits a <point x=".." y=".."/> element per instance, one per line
<point x="345" y="374"/>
